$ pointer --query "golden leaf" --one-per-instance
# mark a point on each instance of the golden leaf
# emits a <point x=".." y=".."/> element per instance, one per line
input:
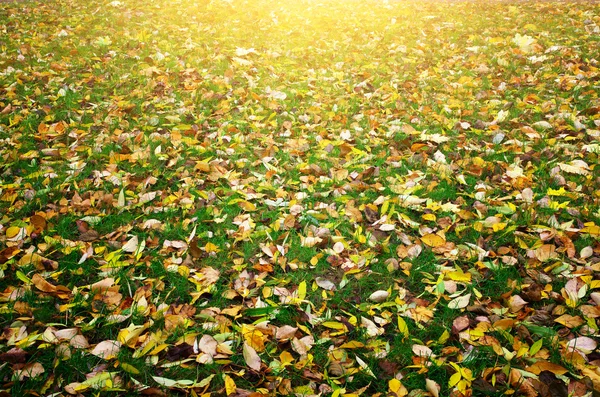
<point x="433" y="240"/>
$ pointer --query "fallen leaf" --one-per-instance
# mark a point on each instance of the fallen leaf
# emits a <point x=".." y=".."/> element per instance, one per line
<point x="325" y="284"/>
<point x="569" y="321"/>
<point x="379" y="296"/>
<point x="251" y="357"/>
<point x="131" y="245"/>
<point x="460" y="303"/>
<point x="32" y="371"/>
<point x="422" y="351"/>
<point x="433" y="240"/>
<point x="460" y="323"/>
<point x="583" y="344"/>
<point x="540" y="366"/>
<point x="107" y="349"/>
<point x="432" y="387"/>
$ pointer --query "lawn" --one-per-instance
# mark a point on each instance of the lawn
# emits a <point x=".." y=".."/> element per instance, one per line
<point x="303" y="197"/>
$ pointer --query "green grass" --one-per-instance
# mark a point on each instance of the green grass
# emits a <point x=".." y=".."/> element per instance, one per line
<point x="242" y="118"/>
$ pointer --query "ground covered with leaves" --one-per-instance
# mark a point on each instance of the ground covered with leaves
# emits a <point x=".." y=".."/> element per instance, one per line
<point x="246" y="198"/>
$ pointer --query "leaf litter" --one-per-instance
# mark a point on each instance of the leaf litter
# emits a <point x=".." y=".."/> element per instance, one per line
<point x="299" y="198"/>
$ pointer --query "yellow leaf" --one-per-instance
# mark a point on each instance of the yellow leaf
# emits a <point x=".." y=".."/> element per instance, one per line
<point x="334" y="325"/>
<point x="429" y="217"/>
<point x="498" y="226"/>
<point x="594" y="230"/>
<point x="433" y="240"/>
<point x="444" y="337"/>
<point x="402" y="327"/>
<point x="462" y="386"/>
<point x="352" y="345"/>
<point x="13" y="231"/>
<point x="385" y="207"/>
<point x="210" y="247"/>
<point x="454" y="379"/>
<point x="247" y="206"/>
<point x="558" y="192"/>
<point x="286" y="358"/>
<point x="459" y="275"/>
<point x="302" y="290"/>
<point x="397" y="388"/>
<point x="202" y="166"/>
<point x="254" y="337"/>
<point x="130" y="368"/>
<point x="339" y="174"/>
<point x="230" y="386"/>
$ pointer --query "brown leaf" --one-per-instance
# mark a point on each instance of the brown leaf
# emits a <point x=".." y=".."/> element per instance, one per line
<point x="89" y="235"/>
<point x="131" y="245"/>
<point x="42" y="284"/>
<point x="179" y="352"/>
<point x="371" y="213"/>
<point x="459" y="324"/>
<point x="82" y="226"/>
<point x="30" y="371"/>
<point x="556" y="387"/>
<point x="583" y="344"/>
<point x="336" y="369"/>
<point x="102" y="285"/>
<point x="568" y="246"/>
<point x="389" y="367"/>
<point x="194" y="250"/>
<point x="8" y="253"/>
<point x="15" y="355"/>
<point x="432" y="387"/>
<point x="38" y="222"/>
<point x="207" y="344"/>
<point x="533" y="293"/>
<point x="516" y="303"/>
<point x="153" y="392"/>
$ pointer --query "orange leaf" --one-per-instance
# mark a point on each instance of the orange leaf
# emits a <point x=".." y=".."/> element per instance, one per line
<point x="569" y="321"/>
<point x="546" y="366"/>
<point x="42" y="284"/>
<point x="545" y="252"/>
